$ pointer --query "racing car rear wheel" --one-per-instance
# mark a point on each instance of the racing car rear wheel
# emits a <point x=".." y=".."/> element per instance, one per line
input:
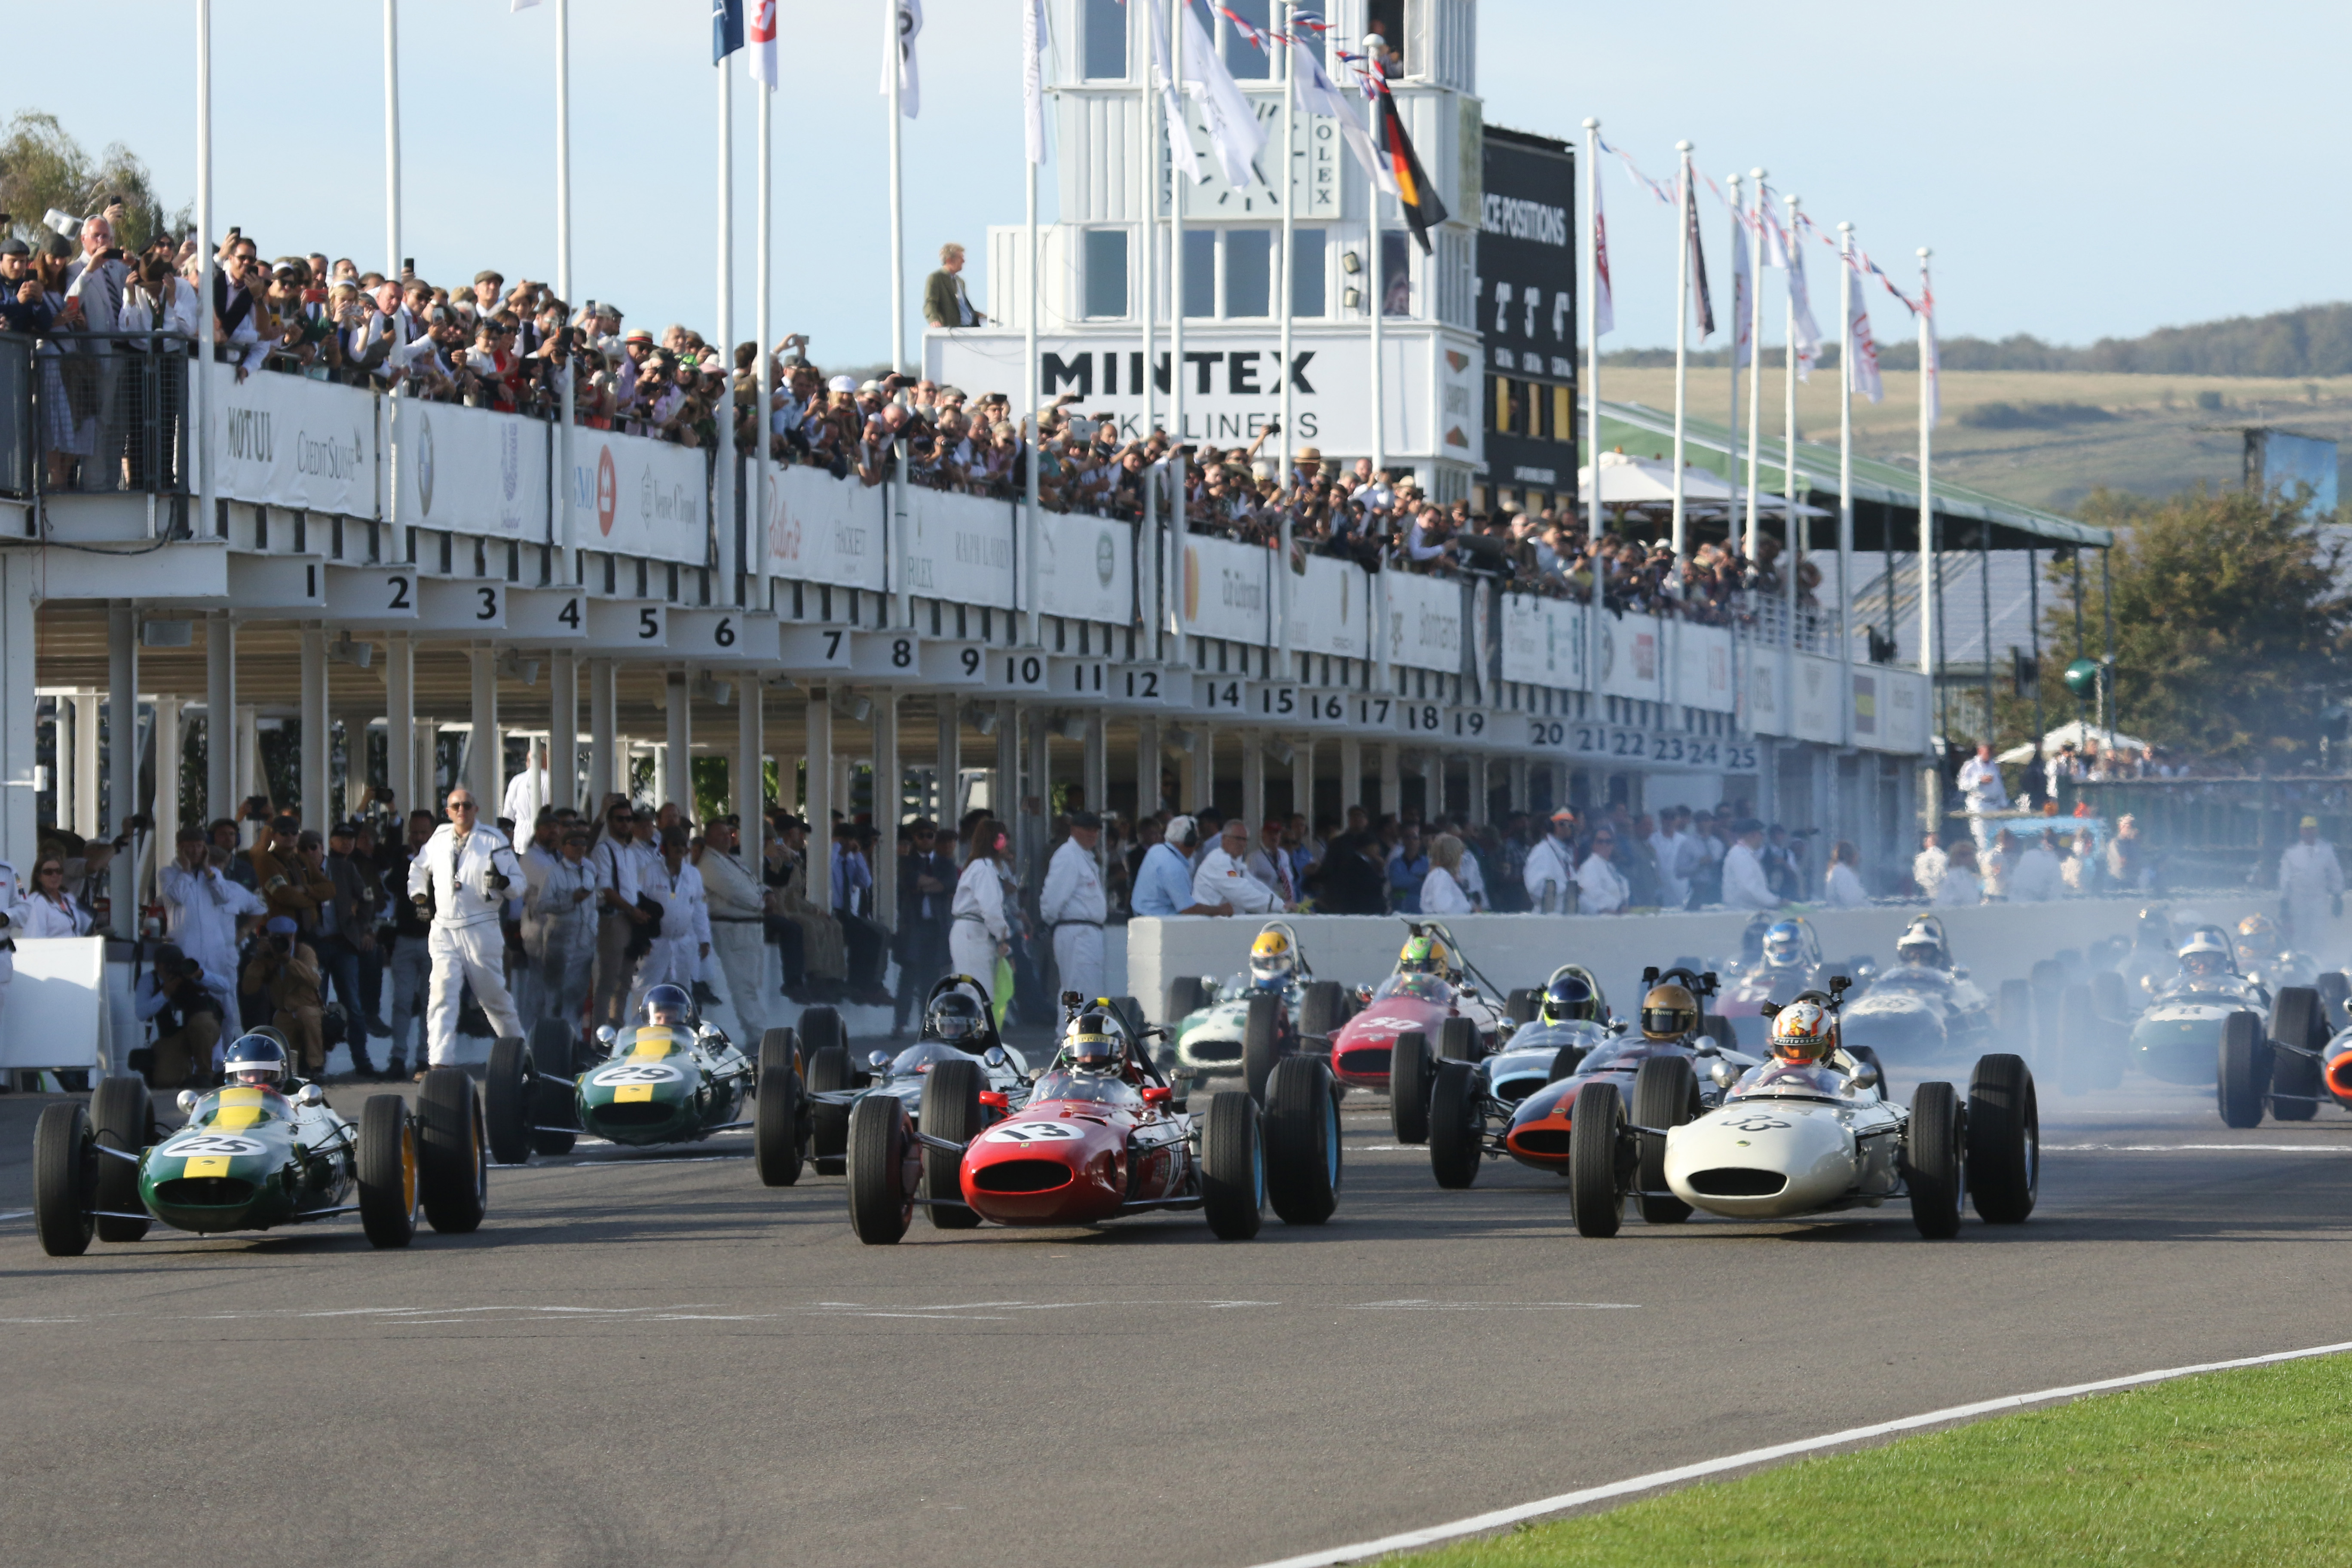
<point x="1458" y="1040"/>
<point x="1563" y="1063"/>
<point x="1933" y="1161"/>
<point x="2004" y="1156"/>
<point x="119" y="1115"/>
<point x="1186" y="996"/>
<point x="1596" y="1138"/>
<point x="553" y="1110"/>
<point x="453" y="1165"/>
<point x="1408" y="1087"/>
<point x="2245" y="1071"/>
<point x="1233" y="1166"/>
<point x="882" y="1170"/>
<point x="1261" y="1040"/>
<point x="828" y="1073"/>
<point x="387" y="1171"/>
<point x="1665" y="1094"/>
<point x="779" y="1111"/>
<point x="822" y="1027"/>
<point x="1301" y="1131"/>
<point x="1323" y="1009"/>
<point x="65" y="1173"/>
<point x="950" y="1110"/>
<point x="1456" y="1129"/>
<point x="2297" y="1020"/>
<point x="511" y="1096"/>
<point x="1521" y="1004"/>
<point x="2334" y="991"/>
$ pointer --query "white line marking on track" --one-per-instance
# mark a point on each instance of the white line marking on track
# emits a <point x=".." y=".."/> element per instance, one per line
<point x="17" y="1213"/>
<point x="2174" y="1148"/>
<point x="1479" y="1524"/>
<point x="1409" y="1306"/>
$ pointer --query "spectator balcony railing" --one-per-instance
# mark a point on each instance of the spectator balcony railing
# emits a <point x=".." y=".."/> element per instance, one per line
<point x="17" y="443"/>
<point x="103" y="414"/>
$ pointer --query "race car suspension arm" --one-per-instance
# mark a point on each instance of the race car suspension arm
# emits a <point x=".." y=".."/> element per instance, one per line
<point x="944" y="1145"/>
<point x="119" y="1155"/>
<point x="722" y="1127"/>
<point x="118" y="1214"/>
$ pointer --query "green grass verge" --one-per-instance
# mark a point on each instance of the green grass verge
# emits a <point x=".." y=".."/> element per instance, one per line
<point x="2247" y="1467"/>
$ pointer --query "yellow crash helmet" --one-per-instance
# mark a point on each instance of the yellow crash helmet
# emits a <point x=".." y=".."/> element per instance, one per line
<point x="1272" y="959"/>
<point x="1803" y="1032"/>
<point x="1669" y="1012"/>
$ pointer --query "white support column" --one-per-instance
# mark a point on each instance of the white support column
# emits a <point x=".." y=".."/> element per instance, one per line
<point x="747" y="779"/>
<point x="122" y="758"/>
<point x="677" y="748"/>
<point x="1433" y="786"/>
<point x="220" y="715"/>
<point x="605" y="770"/>
<point x="1004" y="788"/>
<point x="1203" y="769"/>
<point x="425" y="765"/>
<point x="1558" y="785"/>
<point x="165" y="807"/>
<point x="950" y="802"/>
<point x="1302" y="779"/>
<point x="1253" y="781"/>
<point x="61" y="745"/>
<point x="1094" y="770"/>
<point x="1391" y="779"/>
<point x="400" y="774"/>
<point x="1037" y="794"/>
<point x="249" y="765"/>
<point x="484" y="770"/>
<point x="888" y="783"/>
<point x="84" y="780"/>
<point x="1351" y="773"/>
<point x="20" y="573"/>
<point x="563" y="731"/>
<point x="1520" y="768"/>
<point x="319" y="737"/>
<point x="1480" y="783"/>
<point x="1147" y="768"/>
<point x="819" y="763"/>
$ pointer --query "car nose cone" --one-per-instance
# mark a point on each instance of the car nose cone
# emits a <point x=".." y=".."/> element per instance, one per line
<point x="1760" y="1160"/>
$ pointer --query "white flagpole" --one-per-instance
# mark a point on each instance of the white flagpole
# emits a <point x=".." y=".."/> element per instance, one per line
<point x="895" y="72"/>
<point x="391" y="137"/>
<point x="1178" y="522"/>
<point x="764" y="491"/>
<point x="1027" y="588"/>
<point x="1845" y="402"/>
<point x="1282" y="366"/>
<point x="1755" y="360"/>
<point x="561" y="528"/>
<point x="1592" y="512"/>
<point x="1376" y="264"/>
<point x="722" y="497"/>
<point x="1147" y="315"/>
<point x="1682" y="332"/>
<point x="1732" y="253"/>
<point x="1789" y="374"/>
<point x="1929" y="565"/>
<point x="218" y="726"/>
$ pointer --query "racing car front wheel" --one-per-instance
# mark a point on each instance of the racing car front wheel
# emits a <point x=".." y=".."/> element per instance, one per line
<point x="1301" y="1129"/>
<point x="1458" y="1040"/>
<point x="1520" y="1006"/>
<point x="1261" y="1044"/>
<point x="555" y="1110"/>
<point x="1409" y="1087"/>
<point x="883" y="1170"/>
<point x="1932" y="1160"/>
<point x="950" y="1110"/>
<point x="121" y="1113"/>
<point x="453" y="1164"/>
<point x="1233" y="1166"/>
<point x="2004" y="1155"/>
<point x="2245" y="1071"/>
<point x="1323" y="1009"/>
<point x="2299" y="1024"/>
<point x="779" y="1111"/>
<point x="387" y="1171"/>
<point x="65" y="1173"/>
<point x="1456" y="1130"/>
<point x="1596" y="1139"/>
<point x="510" y="1090"/>
<point x="828" y="1073"/>
<point x="1665" y="1094"/>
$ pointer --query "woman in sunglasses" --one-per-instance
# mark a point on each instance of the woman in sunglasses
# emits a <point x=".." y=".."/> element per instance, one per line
<point x="49" y="909"/>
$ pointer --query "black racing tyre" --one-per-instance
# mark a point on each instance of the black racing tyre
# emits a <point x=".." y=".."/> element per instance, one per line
<point x="1233" y="1166"/>
<point x="2109" y="994"/>
<point x="2016" y="1013"/>
<point x="2244" y="1077"/>
<point x="2084" y="1052"/>
<point x="1564" y="1062"/>
<point x="1410" y="1079"/>
<point x="65" y="1158"/>
<point x="950" y="1110"/>
<point x="2048" y="984"/>
<point x="510" y="1101"/>
<point x="1301" y="1133"/>
<point x="2004" y="1154"/>
<point x="1456" y="1130"/>
<point x="1665" y="1094"/>
<point x="2336" y="993"/>
<point x="387" y="1171"/>
<point x="1596" y="1136"/>
<point x="1324" y="1009"/>
<point x="1261" y="1040"/>
<point x="120" y="1115"/>
<point x="821" y="1027"/>
<point x="828" y="1073"/>
<point x="779" y="1111"/>
<point x="554" y="1111"/>
<point x="453" y="1157"/>
<point x="1521" y="1005"/>
<point x="1186" y="996"/>
<point x="882" y="1172"/>
<point x="1458" y="1040"/>
<point x="1934" y="1161"/>
<point x="2298" y="1019"/>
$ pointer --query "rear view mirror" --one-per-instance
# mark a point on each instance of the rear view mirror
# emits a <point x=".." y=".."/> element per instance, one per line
<point x="310" y="1094"/>
<point x="606" y="1036"/>
<point x="1155" y="1095"/>
<point x="1866" y="1077"/>
<point x="994" y="1099"/>
<point x="879" y="1060"/>
<point x="187" y="1101"/>
<point x="995" y="1056"/>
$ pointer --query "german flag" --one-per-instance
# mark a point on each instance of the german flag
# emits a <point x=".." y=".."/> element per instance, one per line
<point x="1415" y="194"/>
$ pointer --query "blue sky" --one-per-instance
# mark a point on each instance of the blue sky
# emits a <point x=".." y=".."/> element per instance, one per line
<point x="2081" y="170"/>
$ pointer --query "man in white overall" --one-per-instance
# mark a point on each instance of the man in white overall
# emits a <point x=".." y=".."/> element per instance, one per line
<point x="463" y="872"/>
<point x="1073" y="904"/>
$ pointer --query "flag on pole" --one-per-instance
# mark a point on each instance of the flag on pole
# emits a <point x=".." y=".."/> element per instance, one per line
<point x="1771" y="239"/>
<point x="1033" y="77"/>
<point x="1698" y="268"/>
<point x="1862" y="349"/>
<point x="910" y="22"/>
<point x="1423" y="209"/>
<point x="521" y="6"/>
<point x="726" y="29"/>
<point x="1808" y="333"/>
<point x="763" y="42"/>
<point x="1234" y="134"/>
<point x="1604" y="310"/>
<point x="1319" y="95"/>
<point x="1180" y="151"/>
<point x="1742" y="341"/>
<point x="1930" y="361"/>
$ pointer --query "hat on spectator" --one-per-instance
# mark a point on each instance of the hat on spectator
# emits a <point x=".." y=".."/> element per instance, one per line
<point x="282" y="925"/>
<point x="842" y="383"/>
<point x="1085" y="819"/>
<point x="13" y="247"/>
<point x="867" y="386"/>
<point x="637" y="335"/>
<point x="1563" y="815"/>
<point x="489" y="277"/>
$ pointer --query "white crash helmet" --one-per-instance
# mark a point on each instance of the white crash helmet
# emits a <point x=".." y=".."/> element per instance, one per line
<point x="2207" y="952"/>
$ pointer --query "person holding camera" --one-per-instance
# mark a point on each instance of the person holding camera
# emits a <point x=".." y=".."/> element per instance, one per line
<point x="464" y="873"/>
<point x="684" y="941"/>
<point x="202" y="907"/>
<point x="189" y="1011"/>
<point x="286" y="970"/>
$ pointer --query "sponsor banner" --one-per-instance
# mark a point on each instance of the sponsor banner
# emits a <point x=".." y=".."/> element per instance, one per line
<point x="1633" y="657"/>
<point x="1890" y="711"/>
<point x="468" y="469"/>
<point x="289" y="441"/>
<point x="823" y="530"/>
<point x="637" y="496"/>
<point x="1330" y="608"/>
<point x="1543" y="641"/>
<point x="958" y="548"/>
<point x="1815" y="694"/>
<point x="1703" y="664"/>
<point x="1425" y="621"/>
<point x="1086" y="567"/>
<point x="1225" y="590"/>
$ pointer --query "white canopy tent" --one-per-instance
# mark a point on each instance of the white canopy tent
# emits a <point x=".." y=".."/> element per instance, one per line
<point x="2076" y="734"/>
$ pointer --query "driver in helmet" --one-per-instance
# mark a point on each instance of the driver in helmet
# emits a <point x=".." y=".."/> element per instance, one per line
<point x="255" y="1061"/>
<point x="1570" y="999"/>
<point x="1092" y="1046"/>
<point x="1921" y="944"/>
<point x="1784" y="945"/>
<point x="1424" y="955"/>
<point x="2204" y="957"/>
<point x="1669" y="1014"/>
<point x="668" y="1007"/>
<point x="1273" y="963"/>
<point x="2259" y="940"/>
<point x="954" y="1019"/>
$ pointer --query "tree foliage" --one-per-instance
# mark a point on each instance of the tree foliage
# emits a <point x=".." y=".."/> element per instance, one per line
<point x="2231" y="623"/>
<point x="42" y="167"/>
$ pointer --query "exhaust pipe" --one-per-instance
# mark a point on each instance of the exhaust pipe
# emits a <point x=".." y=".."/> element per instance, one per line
<point x="2340" y="1077"/>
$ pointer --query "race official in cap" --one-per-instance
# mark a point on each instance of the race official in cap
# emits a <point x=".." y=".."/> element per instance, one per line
<point x="2310" y="888"/>
<point x="1074" y="906"/>
<point x="464" y="873"/>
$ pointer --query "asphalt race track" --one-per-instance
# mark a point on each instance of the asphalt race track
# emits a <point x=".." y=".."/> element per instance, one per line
<point x="654" y="1359"/>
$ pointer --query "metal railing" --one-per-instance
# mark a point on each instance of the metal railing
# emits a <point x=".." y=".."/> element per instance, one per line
<point x="108" y="413"/>
<point x="2214" y="833"/>
<point x="16" y="419"/>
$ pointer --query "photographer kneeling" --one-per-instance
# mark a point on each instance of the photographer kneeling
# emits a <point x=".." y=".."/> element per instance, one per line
<point x="286" y="971"/>
<point x="187" y="1016"/>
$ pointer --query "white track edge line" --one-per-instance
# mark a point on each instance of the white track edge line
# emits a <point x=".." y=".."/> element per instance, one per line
<point x="1478" y="1524"/>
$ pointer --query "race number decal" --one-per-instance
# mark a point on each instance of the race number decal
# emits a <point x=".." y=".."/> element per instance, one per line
<point x="1757" y="1121"/>
<point x="1030" y="1133"/>
<point x="636" y="1073"/>
<point x="211" y="1146"/>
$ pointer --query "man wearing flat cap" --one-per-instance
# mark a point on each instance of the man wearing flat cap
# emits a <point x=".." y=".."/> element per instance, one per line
<point x="1074" y="906"/>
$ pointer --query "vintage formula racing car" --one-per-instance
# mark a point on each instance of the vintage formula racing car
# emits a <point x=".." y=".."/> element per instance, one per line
<point x="1786" y="959"/>
<point x="959" y="1026"/>
<point x="2286" y="1066"/>
<point x="254" y="1158"/>
<point x="1922" y="1006"/>
<point x="1103" y="1134"/>
<point x="2179" y="1037"/>
<point x="1810" y="1131"/>
<point x="1434" y="990"/>
<point x="1241" y="1027"/>
<point x="1562" y="1020"/>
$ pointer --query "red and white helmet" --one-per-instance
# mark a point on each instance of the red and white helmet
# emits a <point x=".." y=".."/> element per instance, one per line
<point x="1804" y="1032"/>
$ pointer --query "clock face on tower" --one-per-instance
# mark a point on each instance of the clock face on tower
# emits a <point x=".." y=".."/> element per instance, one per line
<point x="1217" y="197"/>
